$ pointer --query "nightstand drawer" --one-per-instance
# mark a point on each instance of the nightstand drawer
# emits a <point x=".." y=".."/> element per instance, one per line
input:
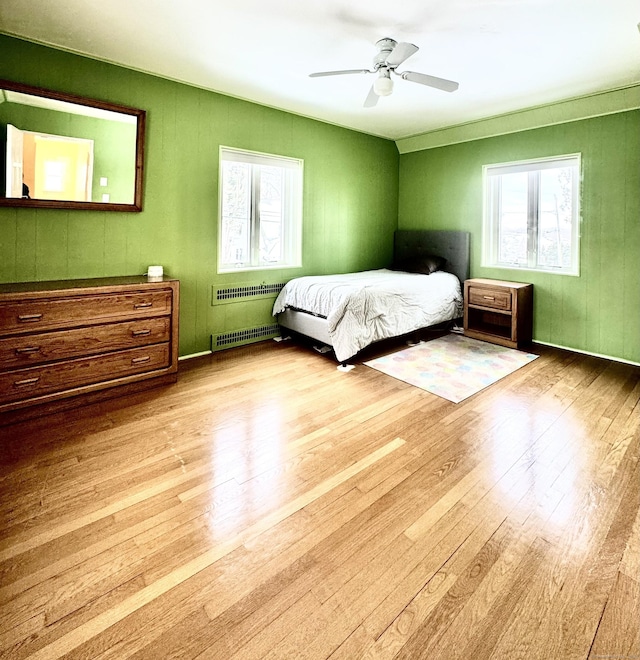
<point x="486" y="297"/>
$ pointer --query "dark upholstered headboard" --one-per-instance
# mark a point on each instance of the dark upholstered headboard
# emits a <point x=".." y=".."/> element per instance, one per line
<point x="452" y="245"/>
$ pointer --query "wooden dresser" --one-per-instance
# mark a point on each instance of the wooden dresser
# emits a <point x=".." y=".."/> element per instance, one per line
<point x="71" y="337"/>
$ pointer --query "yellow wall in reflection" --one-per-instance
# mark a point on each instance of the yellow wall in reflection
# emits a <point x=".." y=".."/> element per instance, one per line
<point x="60" y="169"/>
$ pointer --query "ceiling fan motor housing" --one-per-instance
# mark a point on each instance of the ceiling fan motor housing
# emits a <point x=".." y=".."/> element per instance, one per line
<point x="385" y="46"/>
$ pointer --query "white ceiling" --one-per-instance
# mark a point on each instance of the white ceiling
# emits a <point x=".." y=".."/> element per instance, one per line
<point x="506" y="54"/>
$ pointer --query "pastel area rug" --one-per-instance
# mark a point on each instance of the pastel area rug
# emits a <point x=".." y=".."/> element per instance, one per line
<point x="453" y="367"/>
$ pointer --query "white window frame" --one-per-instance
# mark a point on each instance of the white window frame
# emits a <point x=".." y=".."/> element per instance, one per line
<point x="292" y="239"/>
<point x="491" y="214"/>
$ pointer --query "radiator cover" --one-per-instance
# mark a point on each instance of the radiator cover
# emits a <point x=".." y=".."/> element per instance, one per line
<point x="221" y="295"/>
<point x="245" y="336"/>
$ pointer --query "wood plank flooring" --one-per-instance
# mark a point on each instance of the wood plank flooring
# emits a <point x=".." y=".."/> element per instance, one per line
<point x="269" y="506"/>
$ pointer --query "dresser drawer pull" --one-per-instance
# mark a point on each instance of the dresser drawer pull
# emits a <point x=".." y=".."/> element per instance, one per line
<point x="26" y="381"/>
<point x="29" y="318"/>
<point x="27" y="349"/>
<point x="142" y="305"/>
<point x="140" y="333"/>
<point x="140" y="360"/>
<point x="489" y="297"/>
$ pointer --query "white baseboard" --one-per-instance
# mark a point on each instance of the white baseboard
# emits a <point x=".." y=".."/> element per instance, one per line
<point x="577" y="350"/>
<point x="194" y="355"/>
<point x="535" y="341"/>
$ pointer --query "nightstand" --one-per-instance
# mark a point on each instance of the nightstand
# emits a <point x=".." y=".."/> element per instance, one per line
<point x="499" y="312"/>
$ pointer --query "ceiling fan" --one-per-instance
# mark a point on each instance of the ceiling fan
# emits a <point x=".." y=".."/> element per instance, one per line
<point x="391" y="55"/>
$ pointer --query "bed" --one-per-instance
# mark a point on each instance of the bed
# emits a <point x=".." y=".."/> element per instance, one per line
<point x="349" y="312"/>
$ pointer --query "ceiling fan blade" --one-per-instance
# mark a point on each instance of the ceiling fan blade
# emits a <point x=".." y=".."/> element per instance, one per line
<point x="430" y="81"/>
<point x="400" y="53"/>
<point x="338" y="73"/>
<point x="372" y="99"/>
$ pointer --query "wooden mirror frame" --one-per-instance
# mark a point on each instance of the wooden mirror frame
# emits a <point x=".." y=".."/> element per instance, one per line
<point x="140" y="116"/>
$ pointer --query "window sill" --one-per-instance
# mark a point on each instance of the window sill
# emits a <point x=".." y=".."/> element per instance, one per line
<point x="245" y="269"/>
<point x="517" y="269"/>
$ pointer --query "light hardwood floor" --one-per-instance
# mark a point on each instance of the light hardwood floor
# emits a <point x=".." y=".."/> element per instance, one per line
<point x="270" y="506"/>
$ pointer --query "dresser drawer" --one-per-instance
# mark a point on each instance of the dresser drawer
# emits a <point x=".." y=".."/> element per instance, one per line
<point x="486" y="297"/>
<point x="48" y="314"/>
<point x="35" y="381"/>
<point x="29" y="350"/>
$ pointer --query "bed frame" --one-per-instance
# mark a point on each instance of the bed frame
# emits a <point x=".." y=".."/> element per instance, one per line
<point x="407" y="244"/>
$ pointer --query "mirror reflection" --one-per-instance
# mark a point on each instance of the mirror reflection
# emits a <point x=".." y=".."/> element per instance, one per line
<point x="68" y="152"/>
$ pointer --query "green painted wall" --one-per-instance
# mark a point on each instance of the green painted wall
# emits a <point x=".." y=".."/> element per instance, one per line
<point x="598" y="312"/>
<point x="350" y="192"/>
<point x="357" y="190"/>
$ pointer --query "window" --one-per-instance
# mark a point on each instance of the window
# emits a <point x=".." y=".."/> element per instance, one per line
<point x="531" y="215"/>
<point x="260" y="211"/>
<point x="54" y="175"/>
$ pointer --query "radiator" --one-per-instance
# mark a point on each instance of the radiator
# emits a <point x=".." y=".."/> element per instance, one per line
<point x="254" y="300"/>
<point x="239" y="292"/>
<point x="246" y="336"/>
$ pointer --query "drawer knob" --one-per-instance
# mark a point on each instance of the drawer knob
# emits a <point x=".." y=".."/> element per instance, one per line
<point x="140" y="360"/>
<point x="27" y="349"/>
<point x="489" y="297"/>
<point x="26" y="381"/>
<point x="140" y="333"/>
<point x="142" y="305"/>
<point x="29" y="318"/>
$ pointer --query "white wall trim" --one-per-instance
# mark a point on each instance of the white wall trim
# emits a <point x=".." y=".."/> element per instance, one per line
<point x="597" y="355"/>
<point x="535" y="341"/>
<point x="561" y="112"/>
<point x="194" y="355"/>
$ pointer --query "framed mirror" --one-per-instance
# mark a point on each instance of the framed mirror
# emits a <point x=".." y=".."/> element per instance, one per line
<point x="67" y="152"/>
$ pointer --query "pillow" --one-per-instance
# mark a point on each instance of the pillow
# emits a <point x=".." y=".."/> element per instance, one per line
<point x="426" y="264"/>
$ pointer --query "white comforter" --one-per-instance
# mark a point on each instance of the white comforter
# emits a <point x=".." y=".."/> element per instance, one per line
<point x="362" y="308"/>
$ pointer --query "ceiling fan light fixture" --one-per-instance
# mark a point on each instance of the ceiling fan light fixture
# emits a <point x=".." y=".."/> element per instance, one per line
<point x="383" y="86"/>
